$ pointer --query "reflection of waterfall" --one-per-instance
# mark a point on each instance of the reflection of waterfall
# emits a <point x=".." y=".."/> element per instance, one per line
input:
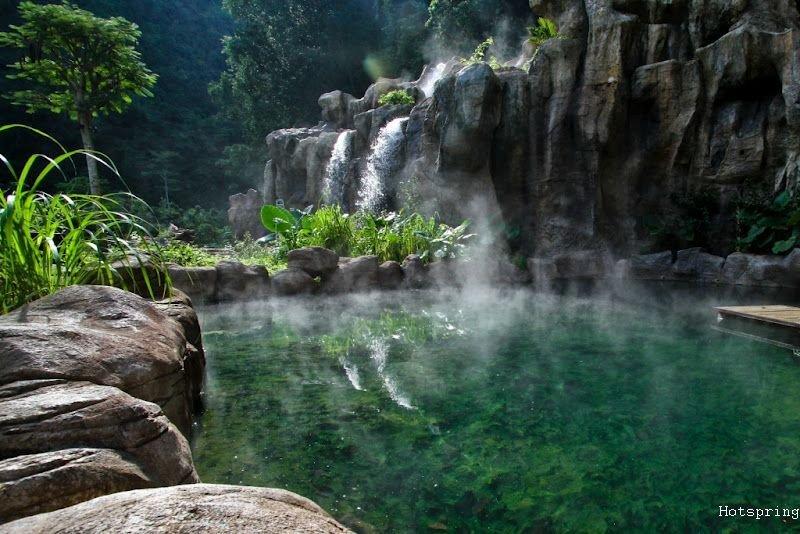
<point x="379" y="352"/>
<point x="336" y="171"/>
<point x="382" y="162"/>
<point x="429" y="83"/>
<point x="351" y="370"/>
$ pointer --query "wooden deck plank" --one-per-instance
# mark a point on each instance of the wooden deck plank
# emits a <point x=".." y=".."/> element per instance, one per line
<point x="782" y="315"/>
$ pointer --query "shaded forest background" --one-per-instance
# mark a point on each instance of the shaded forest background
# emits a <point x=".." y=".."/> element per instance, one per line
<point x="231" y="71"/>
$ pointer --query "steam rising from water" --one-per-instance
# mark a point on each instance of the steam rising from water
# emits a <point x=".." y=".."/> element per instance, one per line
<point x="338" y="166"/>
<point x="382" y="162"/>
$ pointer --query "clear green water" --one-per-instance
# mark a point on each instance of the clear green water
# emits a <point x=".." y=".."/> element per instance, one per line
<point x="506" y="412"/>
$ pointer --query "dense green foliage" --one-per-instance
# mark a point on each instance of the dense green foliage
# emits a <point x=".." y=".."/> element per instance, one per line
<point x="174" y="137"/>
<point x="390" y="236"/>
<point x="76" y="63"/>
<point x="395" y="98"/>
<point x="48" y="242"/>
<point x="479" y="55"/>
<point x="196" y="150"/>
<point x="544" y="30"/>
<point x="687" y="224"/>
<point x="772" y="227"/>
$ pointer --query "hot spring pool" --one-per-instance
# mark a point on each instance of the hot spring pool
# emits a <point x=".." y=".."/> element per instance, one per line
<point x="505" y="412"/>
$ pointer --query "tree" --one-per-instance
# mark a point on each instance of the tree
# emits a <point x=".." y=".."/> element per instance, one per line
<point x="77" y="64"/>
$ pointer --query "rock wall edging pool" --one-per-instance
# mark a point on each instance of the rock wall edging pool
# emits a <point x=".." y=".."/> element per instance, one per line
<point x="98" y="390"/>
<point x="314" y="270"/>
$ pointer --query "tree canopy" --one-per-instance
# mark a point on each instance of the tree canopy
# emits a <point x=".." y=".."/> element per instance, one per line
<point x="76" y="63"/>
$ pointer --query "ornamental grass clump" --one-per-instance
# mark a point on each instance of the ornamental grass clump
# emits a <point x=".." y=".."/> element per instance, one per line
<point x="50" y="241"/>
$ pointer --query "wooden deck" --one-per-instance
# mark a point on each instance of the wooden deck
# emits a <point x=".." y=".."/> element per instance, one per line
<point x="781" y="315"/>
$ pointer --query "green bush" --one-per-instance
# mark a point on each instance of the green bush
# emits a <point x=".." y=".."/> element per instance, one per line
<point x="479" y="55"/>
<point x="390" y="236"/>
<point x="688" y="224"/>
<point x="544" y="30"/>
<point x="769" y="227"/>
<point x="398" y="97"/>
<point x="48" y="242"/>
<point x="252" y="252"/>
<point x="187" y="255"/>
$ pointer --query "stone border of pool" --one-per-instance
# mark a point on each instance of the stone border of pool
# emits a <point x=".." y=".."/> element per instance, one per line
<point x="98" y="391"/>
<point x="320" y="271"/>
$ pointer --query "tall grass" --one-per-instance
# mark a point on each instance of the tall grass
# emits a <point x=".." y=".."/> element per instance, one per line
<point x="50" y="241"/>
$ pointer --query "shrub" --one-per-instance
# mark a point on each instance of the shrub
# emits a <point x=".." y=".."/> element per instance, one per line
<point x="390" y="236"/>
<point x="688" y="224"/>
<point x="252" y="252"/>
<point x="398" y="97"/>
<point x="187" y="255"/>
<point x="48" y="242"/>
<point x="769" y="227"/>
<point x="479" y="55"/>
<point x="544" y="30"/>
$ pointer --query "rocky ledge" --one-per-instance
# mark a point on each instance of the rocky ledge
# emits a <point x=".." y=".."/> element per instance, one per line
<point x="193" y="508"/>
<point x="98" y="389"/>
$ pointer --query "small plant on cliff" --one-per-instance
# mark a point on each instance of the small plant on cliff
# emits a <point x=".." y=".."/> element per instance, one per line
<point x="479" y="55"/>
<point x="396" y="98"/>
<point x="769" y="227"/>
<point x="544" y="30"/>
<point x="48" y="242"/>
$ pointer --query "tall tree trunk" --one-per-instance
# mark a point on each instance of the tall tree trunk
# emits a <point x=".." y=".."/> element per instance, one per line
<point x="88" y="144"/>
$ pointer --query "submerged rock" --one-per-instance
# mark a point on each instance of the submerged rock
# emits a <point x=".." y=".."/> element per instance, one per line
<point x="195" y="508"/>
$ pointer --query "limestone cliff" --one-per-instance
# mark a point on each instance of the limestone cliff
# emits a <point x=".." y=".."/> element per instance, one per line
<point x="642" y="99"/>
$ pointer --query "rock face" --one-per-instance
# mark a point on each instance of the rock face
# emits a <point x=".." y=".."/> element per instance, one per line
<point x="98" y="388"/>
<point x="227" y="281"/>
<point x="244" y="214"/>
<point x="354" y="275"/>
<point x="196" y="508"/>
<point x="641" y="101"/>
<point x="316" y="261"/>
<point x="291" y="282"/>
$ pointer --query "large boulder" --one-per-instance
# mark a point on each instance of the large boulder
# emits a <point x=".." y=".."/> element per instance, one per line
<point x="97" y="391"/>
<point x="202" y="508"/>
<point x="105" y="336"/>
<point x="244" y="214"/>
<point x="354" y="275"/>
<point x="760" y="270"/>
<point x="291" y="282"/>
<point x="415" y="273"/>
<point x="200" y="283"/>
<point x="657" y="266"/>
<point x="237" y="282"/>
<point x="316" y="261"/>
<point x="390" y="275"/>
<point x="696" y="265"/>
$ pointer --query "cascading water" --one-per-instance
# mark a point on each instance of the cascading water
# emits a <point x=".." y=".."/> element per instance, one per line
<point x="381" y="163"/>
<point x="429" y="83"/>
<point x="338" y="166"/>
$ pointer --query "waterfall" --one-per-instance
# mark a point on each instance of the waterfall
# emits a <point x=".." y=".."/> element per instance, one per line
<point x="429" y="83"/>
<point x="381" y="163"/>
<point x="338" y="166"/>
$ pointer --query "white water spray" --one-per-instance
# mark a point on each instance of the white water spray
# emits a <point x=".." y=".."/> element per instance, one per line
<point x="338" y="166"/>
<point x="429" y="83"/>
<point x="382" y="162"/>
